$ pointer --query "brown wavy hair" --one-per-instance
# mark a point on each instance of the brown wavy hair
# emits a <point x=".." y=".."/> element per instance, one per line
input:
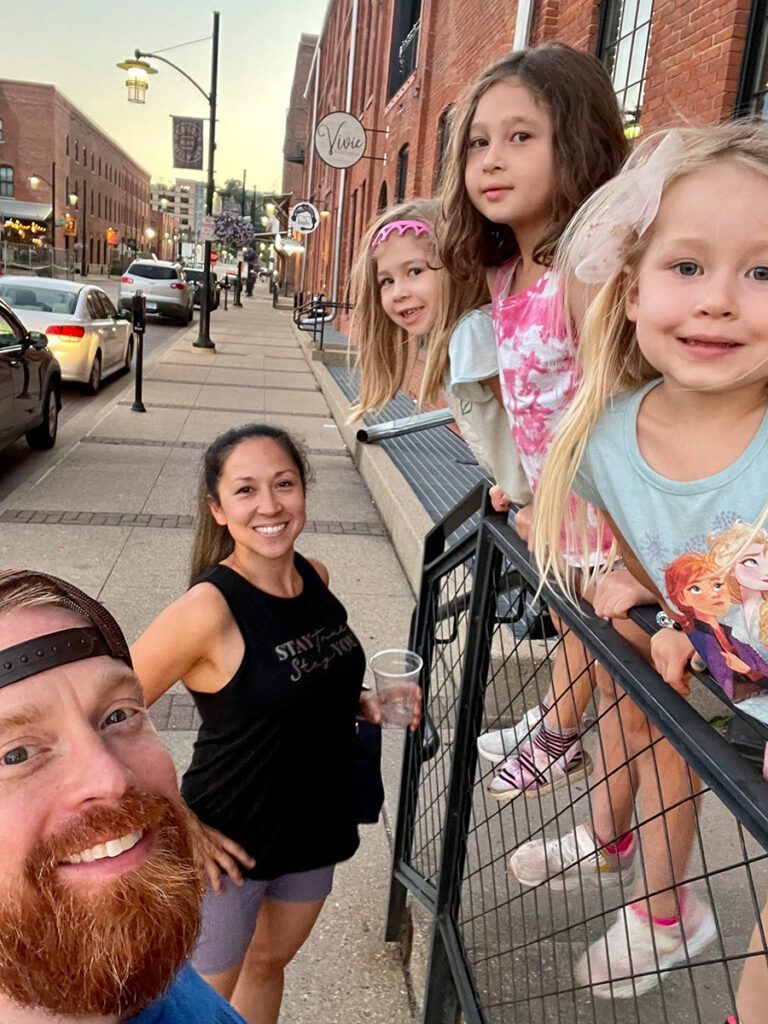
<point x="589" y="146"/>
<point x="213" y="542"/>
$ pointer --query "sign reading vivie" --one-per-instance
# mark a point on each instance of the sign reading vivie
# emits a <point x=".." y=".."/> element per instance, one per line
<point x="340" y="139"/>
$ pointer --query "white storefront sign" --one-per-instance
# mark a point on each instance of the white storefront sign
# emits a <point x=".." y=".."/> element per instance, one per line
<point x="303" y="218"/>
<point x="340" y="139"/>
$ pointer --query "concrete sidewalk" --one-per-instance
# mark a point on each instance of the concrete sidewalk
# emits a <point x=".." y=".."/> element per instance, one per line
<point x="112" y="510"/>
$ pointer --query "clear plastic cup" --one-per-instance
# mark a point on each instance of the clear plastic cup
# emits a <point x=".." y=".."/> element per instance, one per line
<point x="395" y="674"/>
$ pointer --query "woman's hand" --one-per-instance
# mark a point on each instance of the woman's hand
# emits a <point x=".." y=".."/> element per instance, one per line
<point x="214" y="853"/>
<point x="617" y="592"/>
<point x="370" y="705"/>
<point x="672" y="651"/>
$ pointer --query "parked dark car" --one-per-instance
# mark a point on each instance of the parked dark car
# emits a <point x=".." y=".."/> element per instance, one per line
<point x="196" y="277"/>
<point x="30" y="384"/>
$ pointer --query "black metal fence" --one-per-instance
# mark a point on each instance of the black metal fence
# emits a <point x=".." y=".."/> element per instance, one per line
<point x="311" y="316"/>
<point x="504" y="952"/>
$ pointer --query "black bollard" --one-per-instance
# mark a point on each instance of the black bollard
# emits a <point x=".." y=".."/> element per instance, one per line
<point x="238" y="287"/>
<point x="139" y="320"/>
<point x="225" y="286"/>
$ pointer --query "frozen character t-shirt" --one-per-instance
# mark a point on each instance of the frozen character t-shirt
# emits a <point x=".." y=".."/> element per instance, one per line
<point x="686" y="534"/>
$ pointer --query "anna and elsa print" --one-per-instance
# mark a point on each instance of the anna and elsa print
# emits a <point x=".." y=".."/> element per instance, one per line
<point x="723" y="607"/>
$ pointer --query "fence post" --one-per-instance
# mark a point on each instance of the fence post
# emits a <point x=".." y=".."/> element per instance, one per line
<point x="447" y="974"/>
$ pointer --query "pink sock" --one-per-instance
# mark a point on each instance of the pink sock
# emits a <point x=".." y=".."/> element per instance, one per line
<point x="664" y="922"/>
<point x="619" y="846"/>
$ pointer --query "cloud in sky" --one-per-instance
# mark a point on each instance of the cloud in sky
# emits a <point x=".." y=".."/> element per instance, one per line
<point x="84" y="39"/>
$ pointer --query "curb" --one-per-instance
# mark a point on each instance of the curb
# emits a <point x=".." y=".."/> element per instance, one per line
<point x="405" y="518"/>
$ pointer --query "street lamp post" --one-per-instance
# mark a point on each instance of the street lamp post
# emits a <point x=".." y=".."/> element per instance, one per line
<point x="34" y="181"/>
<point x="137" y="88"/>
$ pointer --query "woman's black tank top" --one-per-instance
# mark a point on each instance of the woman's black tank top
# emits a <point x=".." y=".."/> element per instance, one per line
<point x="272" y="766"/>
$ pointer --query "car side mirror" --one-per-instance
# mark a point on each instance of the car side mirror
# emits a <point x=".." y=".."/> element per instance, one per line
<point x="37" y="340"/>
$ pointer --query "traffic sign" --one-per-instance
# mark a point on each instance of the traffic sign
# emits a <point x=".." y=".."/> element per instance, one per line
<point x="214" y="257"/>
<point x="207" y="229"/>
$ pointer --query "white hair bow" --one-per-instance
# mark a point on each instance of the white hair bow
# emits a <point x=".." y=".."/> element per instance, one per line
<point x="598" y="254"/>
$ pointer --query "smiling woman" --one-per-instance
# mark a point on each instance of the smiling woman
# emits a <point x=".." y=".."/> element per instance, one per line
<point x="276" y="674"/>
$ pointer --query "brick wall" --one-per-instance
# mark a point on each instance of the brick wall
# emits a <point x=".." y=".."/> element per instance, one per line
<point x="39" y="125"/>
<point x="695" y="54"/>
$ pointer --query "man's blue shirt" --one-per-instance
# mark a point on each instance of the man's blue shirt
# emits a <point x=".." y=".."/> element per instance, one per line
<point x="189" y="1000"/>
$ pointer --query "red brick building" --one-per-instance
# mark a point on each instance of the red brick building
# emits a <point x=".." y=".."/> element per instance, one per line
<point x="703" y="59"/>
<point x="42" y="133"/>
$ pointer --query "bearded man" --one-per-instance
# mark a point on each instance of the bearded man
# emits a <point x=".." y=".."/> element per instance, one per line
<point x="99" y="891"/>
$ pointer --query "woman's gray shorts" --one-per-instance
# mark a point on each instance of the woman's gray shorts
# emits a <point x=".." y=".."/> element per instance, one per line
<point x="229" y="917"/>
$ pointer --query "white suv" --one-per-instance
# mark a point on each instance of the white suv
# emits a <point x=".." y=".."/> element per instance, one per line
<point x="164" y="287"/>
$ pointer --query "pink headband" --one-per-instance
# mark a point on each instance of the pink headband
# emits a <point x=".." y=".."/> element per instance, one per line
<point x="401" y="226"/>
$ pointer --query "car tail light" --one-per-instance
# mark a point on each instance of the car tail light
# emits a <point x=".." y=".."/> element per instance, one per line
<point x="178" y="284"/>
<point x="126" y="280"/>
<point x="66" y="330"/>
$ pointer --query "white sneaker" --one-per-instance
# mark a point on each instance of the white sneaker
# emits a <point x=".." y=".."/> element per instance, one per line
<point x="498" y="745"/>
<point x="635" y="951"/>
<point x="568" y="861"/>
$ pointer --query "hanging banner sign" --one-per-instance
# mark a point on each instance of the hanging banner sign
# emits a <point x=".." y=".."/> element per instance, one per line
<point x="113" y="237"/>
<point x="303" y="218"/>
<point x="188" y="143"/>
<point x="208" y="229"/>
<point x="340" y="139"/>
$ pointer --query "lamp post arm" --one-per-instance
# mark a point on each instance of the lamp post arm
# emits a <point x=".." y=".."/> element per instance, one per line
<point x="156" y="56"/>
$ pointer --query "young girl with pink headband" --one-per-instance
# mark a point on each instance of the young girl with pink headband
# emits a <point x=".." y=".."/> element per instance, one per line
<point x="404" y="297"/>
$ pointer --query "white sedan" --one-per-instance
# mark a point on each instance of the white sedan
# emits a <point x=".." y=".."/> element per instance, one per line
<point x="85" y="332"/>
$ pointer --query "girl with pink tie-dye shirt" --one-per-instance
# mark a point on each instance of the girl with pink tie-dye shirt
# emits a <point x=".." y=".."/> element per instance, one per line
<point x="536" y="134"/>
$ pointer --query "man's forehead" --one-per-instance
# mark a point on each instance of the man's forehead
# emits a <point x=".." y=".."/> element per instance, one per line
<point x="20" y="624"/>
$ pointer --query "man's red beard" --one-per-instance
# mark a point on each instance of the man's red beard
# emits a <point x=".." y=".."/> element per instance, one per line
<point x="110" y="947"/>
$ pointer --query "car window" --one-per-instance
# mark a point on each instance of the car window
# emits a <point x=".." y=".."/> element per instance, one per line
<point x="152" y="271"/>
<point x="94" y="306"/>
<point x="9" y="332"/>
<point x="107" y="306"/>
<point x="38" y="298"/>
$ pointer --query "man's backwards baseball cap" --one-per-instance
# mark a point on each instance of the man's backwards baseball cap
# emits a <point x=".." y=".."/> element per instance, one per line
<point x="66" y="645"/>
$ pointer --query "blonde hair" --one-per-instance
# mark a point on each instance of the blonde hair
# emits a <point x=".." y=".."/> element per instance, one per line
<point x="611" y="359"/>
<point x="726" y="549"/>
<point x="382" y="346"/>
<point x="588" y="144"/>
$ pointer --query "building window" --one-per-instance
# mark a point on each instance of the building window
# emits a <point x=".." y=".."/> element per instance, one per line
<point x="66" y="144"/>
<point x="402" y="174"/>
<point x="93" y="162"/>
<point x="99" y="166"/>
<point x="444" y="128"/>
<point x="622" y="45"/>
<point x="85" y="157"/>
<point x="6" y="180"/>
<point x="405" y="43"/>
<point x="77" y="152"/>
<point x="752" y="97"/>
<point x="1" y="130"/>
<point x="382" y="198"/>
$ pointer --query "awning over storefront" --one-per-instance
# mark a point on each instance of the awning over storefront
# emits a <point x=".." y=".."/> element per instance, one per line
<point x="19" y="210"/>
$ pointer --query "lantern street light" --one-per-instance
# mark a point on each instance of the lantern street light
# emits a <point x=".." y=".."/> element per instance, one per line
<point x="138" y="69"/>
<point x="34" y="184"/>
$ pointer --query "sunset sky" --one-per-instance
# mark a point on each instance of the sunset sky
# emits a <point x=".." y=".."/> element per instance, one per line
<point x="82" y="41"/>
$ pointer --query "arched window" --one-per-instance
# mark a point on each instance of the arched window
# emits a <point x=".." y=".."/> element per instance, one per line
<point x="402" y="173"/>
<point x="382" y="198"/>
<point x="622" y="45"/>
<point x="77" y="152"/>
<point x="444" y="128"/>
